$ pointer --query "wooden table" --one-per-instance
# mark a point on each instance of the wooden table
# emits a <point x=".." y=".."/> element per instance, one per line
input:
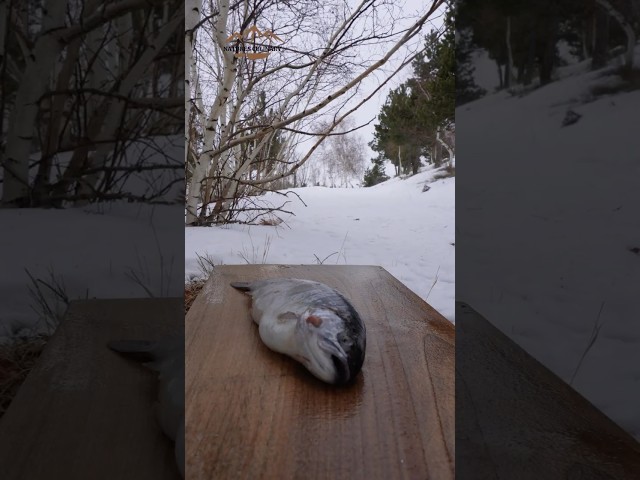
<point x="85" y="412"/>
<point x="253" y="413"/>
<point x="515" y="419"/>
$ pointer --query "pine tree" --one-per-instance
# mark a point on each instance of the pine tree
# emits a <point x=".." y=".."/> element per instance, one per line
<point x="397" y="136"/>
<point x="375" y="174"/>
<point x="414" y="119"/>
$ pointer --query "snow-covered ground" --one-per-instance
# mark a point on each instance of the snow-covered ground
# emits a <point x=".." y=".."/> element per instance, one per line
<point x="559" y="251"/>
<point x="104" y="251"/>
<point x="107" y="250"/>
<point x="395" y="224"/>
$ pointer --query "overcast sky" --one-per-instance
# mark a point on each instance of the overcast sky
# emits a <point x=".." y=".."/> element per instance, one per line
<point x="406" y="12"/>
<point x="413" y="9"/>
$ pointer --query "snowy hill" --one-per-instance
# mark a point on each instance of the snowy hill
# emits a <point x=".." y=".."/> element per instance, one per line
<point x="81" y="253"/>
<point x="394" y="224"/>
<point x="576" y="142"/>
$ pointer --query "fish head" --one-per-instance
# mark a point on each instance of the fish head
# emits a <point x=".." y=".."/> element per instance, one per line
<point x="329" y="350"/>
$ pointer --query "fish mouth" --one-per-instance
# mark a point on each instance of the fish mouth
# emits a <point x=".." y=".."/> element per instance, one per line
<point x="326" y="348"/>
<point x="338" y="358"/>
<point x="325" y="359"/>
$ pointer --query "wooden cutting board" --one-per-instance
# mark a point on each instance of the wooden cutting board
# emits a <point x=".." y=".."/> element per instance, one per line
<point x="254" y="413"/>
<point x="516" y="419"/>
<point x="85" y="412"/>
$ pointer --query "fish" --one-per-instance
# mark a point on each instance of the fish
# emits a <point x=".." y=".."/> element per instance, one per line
<point x="166" y="358"/>
<point x="311" y="323"/>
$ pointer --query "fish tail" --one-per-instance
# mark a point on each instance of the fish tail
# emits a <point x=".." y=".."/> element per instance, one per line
<point x="242" y="286"/>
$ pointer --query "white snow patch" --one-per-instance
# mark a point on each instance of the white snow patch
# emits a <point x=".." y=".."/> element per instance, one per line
<point x="589" y="191"/>
<point x="84" y="251"/>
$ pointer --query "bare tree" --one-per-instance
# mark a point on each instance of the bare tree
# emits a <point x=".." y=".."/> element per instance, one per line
<point x="302" y="176"/>
<point x="446" y="137"/>
<point x="104" y="81"/>
<point x="266" y="72"/>
<point x="343" y="155"/>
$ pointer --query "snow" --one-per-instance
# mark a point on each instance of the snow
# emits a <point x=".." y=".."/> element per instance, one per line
<point x="121" y="250"/>
<point x="408" y="232"/>
<point x="103" y="251"/>
<point x="558" y="250"/>
<point x="485" y="71"/>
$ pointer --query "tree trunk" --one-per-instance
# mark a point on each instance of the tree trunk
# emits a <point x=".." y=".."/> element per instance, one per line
<point x="600" y="53"/>
<point x="16" y="191"/>
<point x="444" y="144"/>
<point x="531" y="58"/>
<point x="626" y="27"/>
<point x="208" y="160"/>
<point x="548" y="46"/>
<point x="192" y="17"/>
<point x="4" y="14"/>
<point x="113" y="116"/>
<point x="41" y="185"/>
<point x="509" y="66"/>
<point x="584" y="41"/>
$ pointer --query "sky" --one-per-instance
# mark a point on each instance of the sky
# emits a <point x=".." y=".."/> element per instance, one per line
<point x="372" y="108"/>
<point x="408" y="11"/>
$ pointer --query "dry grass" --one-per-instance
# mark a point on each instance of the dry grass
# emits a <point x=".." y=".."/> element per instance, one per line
<point x="18" y="357"/>
<point x="195" y="283"/>
<point x="256" y="254"/>
<point x="446" y="172"/>
<point x="434" y="282"/>
<point x="270" y="221"/>
<point x="628" y="81"/>
<point x="16" y="361"/>
<point x="594" y="336"/>
<point x="191" y="291"/>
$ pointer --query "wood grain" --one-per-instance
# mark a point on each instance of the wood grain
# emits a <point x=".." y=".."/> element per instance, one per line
<point x="85" y="412"/>
<point x="254" y="413"/>
<point x="516" y="419"/>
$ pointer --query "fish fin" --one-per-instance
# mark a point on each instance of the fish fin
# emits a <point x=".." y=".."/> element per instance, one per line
<point x="242" y="286"/>
<point x="287" y="316"/>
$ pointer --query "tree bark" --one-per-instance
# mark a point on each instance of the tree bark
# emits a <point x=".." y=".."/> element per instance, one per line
<point x="113" y="116"/>
<point x="16" y="191"/>
<point x="192" y="18"/>
<point x="41" y="183"/>
<point x="626" y="27"/>
<point x="206" y="160"/>
<point x="509" y="67"/>
<point x="549" y="39"/>
<point x="600" y="53"/>
<point x="243" y="148"/>
<point x="444" y="144"/>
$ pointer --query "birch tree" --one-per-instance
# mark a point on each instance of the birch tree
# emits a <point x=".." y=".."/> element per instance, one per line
<point x="626" y="26"/>
<point x="343" y="156"/>
<point x="41" y="60"/>
<point x="310" y="59"/>
<point x="101" y="77"/>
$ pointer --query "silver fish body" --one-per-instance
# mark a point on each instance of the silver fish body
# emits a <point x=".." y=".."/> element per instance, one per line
<point x="310" y="322"/>
<point x="166" y="357"/>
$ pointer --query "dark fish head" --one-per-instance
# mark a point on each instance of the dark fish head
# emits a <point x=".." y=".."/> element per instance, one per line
<point x="334" y="346"/>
